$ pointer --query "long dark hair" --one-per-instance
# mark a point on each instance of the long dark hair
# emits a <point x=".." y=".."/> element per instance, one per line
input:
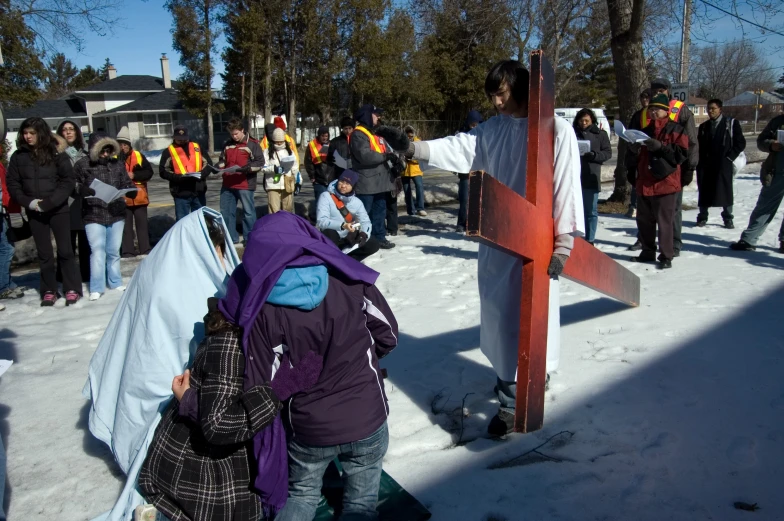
<point x="78" y="143"/>
<point x="580" y="115"/>
<point x="45" y="149"/>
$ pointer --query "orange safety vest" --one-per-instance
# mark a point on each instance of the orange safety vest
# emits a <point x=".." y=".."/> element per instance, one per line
<point x="265" y="145"/>
<point x="141" y="198"/>
<point x="375" y="144"/>
<point x="185" y="163"/>
<point x="675" y="110"/>
<point x="316" y="154"/>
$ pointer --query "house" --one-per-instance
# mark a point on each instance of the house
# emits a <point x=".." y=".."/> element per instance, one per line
<point x="742" y="106"/>
<point x="147" y="105"/>
<point x="698" y="107"/>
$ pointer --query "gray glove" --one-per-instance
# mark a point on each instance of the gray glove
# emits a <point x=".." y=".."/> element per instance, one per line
<point x="34" y="205"/>
<point x="653" y="144"/>
<point x="557" y="263"/>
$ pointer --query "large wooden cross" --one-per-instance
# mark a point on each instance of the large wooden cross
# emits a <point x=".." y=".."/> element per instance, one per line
<point x="523" y="227"/>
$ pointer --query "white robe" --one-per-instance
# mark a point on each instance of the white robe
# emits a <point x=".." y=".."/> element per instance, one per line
<point x="499" y="147"/>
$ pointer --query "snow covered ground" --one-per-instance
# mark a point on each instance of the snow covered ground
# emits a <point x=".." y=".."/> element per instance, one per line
<point x="673" y="410"/>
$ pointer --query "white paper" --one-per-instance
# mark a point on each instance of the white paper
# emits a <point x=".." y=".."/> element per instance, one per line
<point x="193" y="174"/>
<point x="229" y="170"/>
<point x="340" y="161"/>
<point x="780" y="136"/>
<point x="630" y="135"/>
<point x="350" y="249"/>
<point x="583" y="146"/>
<point x="4" y="365"/>
<point x="287" y="163"/>
<point x="108" y="193"/>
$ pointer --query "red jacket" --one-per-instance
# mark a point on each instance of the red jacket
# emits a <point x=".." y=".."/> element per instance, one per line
<point x="10" y="205"/>
<point x="246" y="154"/>
<point x="675" y="150"/>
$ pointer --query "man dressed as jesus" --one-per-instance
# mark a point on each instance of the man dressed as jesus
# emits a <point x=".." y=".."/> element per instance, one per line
<point x="499" y="147"/>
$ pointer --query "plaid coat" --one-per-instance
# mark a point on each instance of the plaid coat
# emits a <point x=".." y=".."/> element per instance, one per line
<point x="197" y="464"/>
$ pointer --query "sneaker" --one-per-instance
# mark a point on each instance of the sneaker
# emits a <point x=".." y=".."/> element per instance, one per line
<point x="147" y="513"/>
<point x="94" y="296"/>
<point x="422" y="213"/>
<point x="665" y="264"/>
<point x="120" y="288"/>
<point x="637" y="246"/>
<point x="71" y="297"/>
<point x="502" y="423"/>
<point x="701" y="223"/>
<point x="644" y="257"/>
<point x="48" y="299"/>
<point x="386" y="245"/>
<point x="742" y="245"/>
<point x="11" y="293"/>
<point x="729" y="224"/>
<point x="631" y="212"/>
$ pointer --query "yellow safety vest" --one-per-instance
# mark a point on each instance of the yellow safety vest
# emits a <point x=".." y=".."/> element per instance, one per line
<point x="675" y="110"/>
<point x="183" y="163"/>
<point x="375" y="144"/>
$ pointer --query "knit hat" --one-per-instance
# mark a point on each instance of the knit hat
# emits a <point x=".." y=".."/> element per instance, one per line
<point x="660" y="83"/>
<point x="323" y="129"/>
<point x="350" y="177"/>
<point x="660" y="101"/>
<point x="646" y="94"/>
<point x="180" y="131"/>
<point x="278" y="135"/>
<point x="347" y="122"/>
<point x="278" y="121"/>
<point x="124" y="136"/>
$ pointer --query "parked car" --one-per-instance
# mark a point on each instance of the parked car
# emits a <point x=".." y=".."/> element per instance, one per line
<point x="569" y="113"/>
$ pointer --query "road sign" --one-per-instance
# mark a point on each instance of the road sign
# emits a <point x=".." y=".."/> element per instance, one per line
<point x="680" y="91"/>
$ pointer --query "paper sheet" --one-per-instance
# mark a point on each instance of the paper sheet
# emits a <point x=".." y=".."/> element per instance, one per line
<point x="583" y="146"/>
<point x="229" y="170"/>
<point x="193" y="174"/>
<point x="107" y="193"/>
<point x="780" y="136"/>
<point x="287" y="163"/>
<point x="340" y="161"/>
<point x="630" y="135"/>
<point x="4" y="365"/>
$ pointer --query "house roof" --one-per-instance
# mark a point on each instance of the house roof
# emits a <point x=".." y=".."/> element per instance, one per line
<point x="165" y="101"/>
<point x="56" y="108"/>
<point x="694" y="100"/>
<point x="749" y="98"/>
<point x="127" y="83"/>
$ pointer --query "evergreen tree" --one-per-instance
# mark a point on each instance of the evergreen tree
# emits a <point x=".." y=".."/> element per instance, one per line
<point x="86" y="77"/>
<point x="60" y="76"/>
<point x="23" y="71"/>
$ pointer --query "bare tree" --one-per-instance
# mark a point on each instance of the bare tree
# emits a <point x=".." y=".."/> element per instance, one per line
<point x="727" y="70"/>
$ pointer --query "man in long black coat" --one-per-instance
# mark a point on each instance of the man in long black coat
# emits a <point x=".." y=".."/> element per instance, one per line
<point x="720" y="141"/>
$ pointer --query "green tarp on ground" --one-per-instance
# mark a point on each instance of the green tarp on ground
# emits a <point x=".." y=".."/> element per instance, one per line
<point x="394" y="503"/>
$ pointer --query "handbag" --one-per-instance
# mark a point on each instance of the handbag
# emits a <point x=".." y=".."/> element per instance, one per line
<point x="17" y="234"/>
<point x="289" y="183"/>
<point x="740" y="161"/>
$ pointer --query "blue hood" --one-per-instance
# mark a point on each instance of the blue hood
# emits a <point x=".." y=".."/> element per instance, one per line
<point x="301" y="288"/>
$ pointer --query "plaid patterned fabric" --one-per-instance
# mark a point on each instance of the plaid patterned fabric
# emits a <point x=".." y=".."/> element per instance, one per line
<point x="200" y="472"/>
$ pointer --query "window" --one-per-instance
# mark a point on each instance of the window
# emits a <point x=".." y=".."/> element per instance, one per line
<point x="157" y="125"/>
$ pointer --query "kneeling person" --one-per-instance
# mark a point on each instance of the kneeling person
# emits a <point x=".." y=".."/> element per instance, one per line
<point x="343" y="219"/>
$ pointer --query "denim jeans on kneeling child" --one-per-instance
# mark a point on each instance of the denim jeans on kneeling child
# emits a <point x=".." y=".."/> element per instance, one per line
<point x="362" y="464"/>
<point x="105" y="242"/>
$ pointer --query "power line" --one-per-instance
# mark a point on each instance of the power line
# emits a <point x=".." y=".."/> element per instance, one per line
<point x="741" y="18"/>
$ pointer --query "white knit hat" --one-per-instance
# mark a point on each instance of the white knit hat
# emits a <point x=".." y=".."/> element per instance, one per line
<point x="278" y="135"/>
<point x="124" y="135"/>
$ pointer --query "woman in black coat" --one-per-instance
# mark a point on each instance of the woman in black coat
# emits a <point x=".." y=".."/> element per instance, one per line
<point x="40" y="178"/>
<point x="592" y="155"/>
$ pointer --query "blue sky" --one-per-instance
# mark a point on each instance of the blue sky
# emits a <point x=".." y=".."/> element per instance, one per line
<point x="145" y="33"/>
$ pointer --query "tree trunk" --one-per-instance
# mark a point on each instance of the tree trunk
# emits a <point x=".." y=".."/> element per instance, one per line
<point x="252" y="95"/>
<point x="268" y="86"/>
<point x="626" y="24"/>
<point x="292" y="115"/>
<point x="242" y="97"/>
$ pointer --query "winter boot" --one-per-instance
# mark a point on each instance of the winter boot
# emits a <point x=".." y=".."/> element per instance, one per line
<point x="637" y="246"/>
<point x="48" y="299"/>
<point x="71" y="297"/>
<point x="502" y="423"/>
<point x="729" y="224"/>
<point x="742" y="245"/>
<point x="644" y="257"/>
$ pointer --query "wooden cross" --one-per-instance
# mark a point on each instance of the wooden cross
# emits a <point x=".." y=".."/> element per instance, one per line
<point x="495" y="214"/>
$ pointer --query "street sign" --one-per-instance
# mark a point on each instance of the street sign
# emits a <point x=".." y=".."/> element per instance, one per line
<point x="680" y="91"/>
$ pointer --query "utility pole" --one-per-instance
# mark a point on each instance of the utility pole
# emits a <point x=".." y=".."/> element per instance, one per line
<point x="685" y="40"/>
<point x="756" y="108"/>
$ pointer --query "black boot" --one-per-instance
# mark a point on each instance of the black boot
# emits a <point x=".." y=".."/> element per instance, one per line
<point x="502" y="423"/>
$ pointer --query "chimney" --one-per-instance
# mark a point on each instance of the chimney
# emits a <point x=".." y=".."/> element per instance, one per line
<point x="165" y="72"/>
<point x="112" y="72"/>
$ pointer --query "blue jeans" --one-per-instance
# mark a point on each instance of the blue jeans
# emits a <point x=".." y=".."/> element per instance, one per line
<point x="420" y="194"/>
<point x="764" y="212"/>
<point x="376" y="208"/>
<point x="462" y="196"/>
<point x="105" y="243"/>
<point x="228" y="208"/>
<point x="185" y="205"/>
<point x="6" y="254"/>
<point x="591" y="212"/>
<point x="362" y="464"/>
<point x="318" y="190"/>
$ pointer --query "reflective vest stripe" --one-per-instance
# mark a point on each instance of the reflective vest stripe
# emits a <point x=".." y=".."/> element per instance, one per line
<point x="134" y="159"/>
<point x="315" y="152"/>
<point x="194" y="161"/>
<point x="375" y="145"/>
<point x="645" y="120"/>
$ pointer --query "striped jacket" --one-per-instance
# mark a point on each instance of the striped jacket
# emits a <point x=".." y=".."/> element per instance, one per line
<point x="197" y="464"/>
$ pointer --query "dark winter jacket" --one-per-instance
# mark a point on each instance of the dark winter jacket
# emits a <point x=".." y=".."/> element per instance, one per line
<point x="717" y="152"/>
<point x="319" y="173"/>
<point x="351" y="326"/>
<point x="339" y="144"/>
<point x="181" y="186"/>
<point x="52" y="182"/>
<point x="591" y="163"/>
<point x="107" y="170"/>
<point x="247" y="154"/>
<point x="375" y="176"/>
<point x="672" y="155"/>
<point x="197" y="466"/>
<point x="76" y="200"/>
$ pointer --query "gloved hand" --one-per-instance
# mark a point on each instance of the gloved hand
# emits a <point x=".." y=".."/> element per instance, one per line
<point x="85" y="191"/>
<point x="292" y="380"/>
<point x="363" y="239"/>
<point x="279" y="170"/>
<point x="34" y="205"/>
<point x="244" y="170"/>
<point x="205" y="173"/>
<point x="391" y="156"/>
<point x="590" y="156"/>
<point x="394" y="136"/>
<point x="653" y="144"/>
<point x="557" y="263"/>
<point x="297" y="188"/>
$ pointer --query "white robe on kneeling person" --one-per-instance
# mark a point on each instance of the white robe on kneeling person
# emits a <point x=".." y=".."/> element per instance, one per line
<point x="499" y="147"/>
